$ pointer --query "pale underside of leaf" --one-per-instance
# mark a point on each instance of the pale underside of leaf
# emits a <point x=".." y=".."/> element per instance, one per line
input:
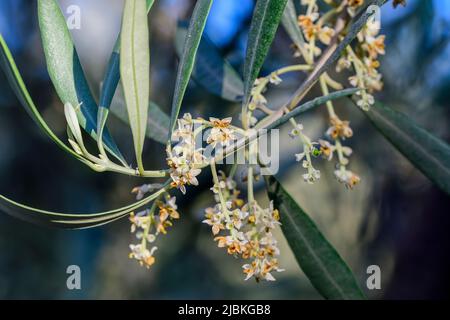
<point x="66" y="72"/>
<point x="112" y="74"/>
<point x="135" y="70"/>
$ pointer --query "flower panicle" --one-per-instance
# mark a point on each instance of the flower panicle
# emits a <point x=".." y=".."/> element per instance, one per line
<point x="244" y="230"/>
<point x="147" y="225"/>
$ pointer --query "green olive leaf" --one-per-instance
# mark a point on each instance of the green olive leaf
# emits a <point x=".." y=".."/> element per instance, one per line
<point x="135" y="70"/>
<point x="320" y="262"/>
<point x="9" y="66"/>
<point x="426" y="152"/>
<point x="211" y="70"/>
<point x="112" y="74"/>
<point x="189" y="52"/>
<point x="66" y="72"/>
<point x="266" y="19"/>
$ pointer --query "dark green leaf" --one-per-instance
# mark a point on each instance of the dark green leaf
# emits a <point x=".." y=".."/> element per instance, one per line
<point x="65" y="69"/>
<point x="321" y="263"/>
<point x="191" y="43"/>
<point x="211" y="70"/>
<point x="428" y="153"/>
<point x="265" y="21"/>
<point x="111" y="79"/>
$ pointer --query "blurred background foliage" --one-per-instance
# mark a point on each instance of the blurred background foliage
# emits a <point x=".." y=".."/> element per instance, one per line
<point x="395" y="218"/>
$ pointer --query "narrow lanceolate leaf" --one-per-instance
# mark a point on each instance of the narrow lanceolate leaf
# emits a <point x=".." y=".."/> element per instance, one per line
<point x="426" y="152"/>
<point x="265" y="21"/>
<point x="112" y="74"/>
<point x="109" y="85"/>
<point x="135" y="70"/>
<point x="65" y="69"/>
<point x="69" y="221"/>
<point x="189" y="52"/>
<point x="321" y="263"/>
<point x="290" y="24"/>
<point x="15" y="79"/>
<point x="111" y="78"/>
<point x="211" y="70"/>
<point x="158" y="121"/>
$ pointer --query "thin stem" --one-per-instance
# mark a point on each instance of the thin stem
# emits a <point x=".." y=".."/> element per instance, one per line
<point x="332" y="114"/>
<point x="325" y="91"/>
<point x="219" y="191"/>
<point x="297" y="67"/>
<point x="151" y="214"/>
<point x="251" y="197"/>
<point x="233" y="170"/>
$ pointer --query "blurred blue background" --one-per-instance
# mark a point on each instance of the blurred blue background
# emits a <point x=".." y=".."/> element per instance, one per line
<point x="395" y="219"/>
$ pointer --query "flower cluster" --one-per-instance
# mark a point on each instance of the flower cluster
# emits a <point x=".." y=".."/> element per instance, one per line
<point x="364" y="60"/>
<point x="148" y="224"/>
<point x="338" y="132"/>
<point x="313" y="28"/>
<point x="361" y="57"/>
<point x="183" y="159"/>
<point x="258" y="100"/>
<point x="221" y="132"/>
<point x="244" y="229"/>
<point x="305" y="157"/>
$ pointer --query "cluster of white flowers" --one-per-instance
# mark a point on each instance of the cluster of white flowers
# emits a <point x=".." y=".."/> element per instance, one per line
<point x="257" y="94"/>
<point x="258" y="100"/>
<point x="184" y="158"/>
<point x="313" y="28"/>
<point x="305" y="157"/>
<point x="339" y="131"/>
<point x="140" y="224"/>
<point x="361" y="57"/>
<point x="364" y="60"/>
<point x="221" y="133"/>
<point x="247" y="230"/>
<point x="142" y="254"/>
<point x="347" y="177"/>
<point x="147" y="225"/>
